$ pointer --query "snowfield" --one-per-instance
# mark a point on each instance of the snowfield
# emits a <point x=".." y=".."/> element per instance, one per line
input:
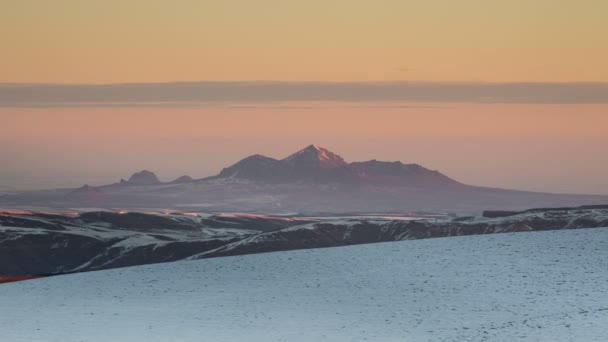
<point x="534" y="286"/>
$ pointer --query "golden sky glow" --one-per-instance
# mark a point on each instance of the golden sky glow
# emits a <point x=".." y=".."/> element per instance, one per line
<point x="551" y="137"/>
<point x="75" y="41"/>
<point x="555" y="148"/>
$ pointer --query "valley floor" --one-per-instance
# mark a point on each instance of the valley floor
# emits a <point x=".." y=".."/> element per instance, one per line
<point x="534" y="286"/>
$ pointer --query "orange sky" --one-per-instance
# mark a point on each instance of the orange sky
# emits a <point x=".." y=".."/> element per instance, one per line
<point x="547" y="147"/>
<point x="559" y="148"/>
<point x="74" y="41"/>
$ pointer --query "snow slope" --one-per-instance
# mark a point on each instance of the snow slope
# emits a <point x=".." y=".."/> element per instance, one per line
<point x="535" y="286"/>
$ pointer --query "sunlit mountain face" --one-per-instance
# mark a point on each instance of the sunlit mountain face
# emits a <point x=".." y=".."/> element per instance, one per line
<point x="315" y="163"/>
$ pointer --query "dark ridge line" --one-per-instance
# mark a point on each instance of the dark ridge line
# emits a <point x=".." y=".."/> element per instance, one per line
<point x="507" y="213"/>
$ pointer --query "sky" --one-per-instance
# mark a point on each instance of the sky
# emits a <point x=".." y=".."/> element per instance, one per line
<point x="500" y="93"/>
<point x="116" y="41"/>
<point x="557" y="148"/>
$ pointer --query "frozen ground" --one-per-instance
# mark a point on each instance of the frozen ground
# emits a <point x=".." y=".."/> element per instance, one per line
<point x="536" y="286"/>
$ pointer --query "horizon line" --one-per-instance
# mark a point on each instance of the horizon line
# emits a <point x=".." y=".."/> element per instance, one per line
<point x="378" y="81"/>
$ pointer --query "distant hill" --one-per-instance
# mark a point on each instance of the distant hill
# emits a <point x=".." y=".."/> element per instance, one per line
<point x="143" y="177"/>
<point x="87" y="193"/>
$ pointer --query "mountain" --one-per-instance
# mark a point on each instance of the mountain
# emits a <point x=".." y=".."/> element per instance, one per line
<point x="313" y="180"/>
<point x="319" y="165"/>
<point x="143" y="177"/>
<point x="312" y="163"/>
<point x="183" y="179"/>
<point x="315" y="164"/>
<point x="255" y="167"/>
<point x="397" y="173"/>
<point x="314" y="157"/>
<point x="87" y="193"/>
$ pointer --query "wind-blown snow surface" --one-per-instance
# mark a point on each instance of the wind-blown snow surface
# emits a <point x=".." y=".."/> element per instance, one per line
<point x="537" y="286"/>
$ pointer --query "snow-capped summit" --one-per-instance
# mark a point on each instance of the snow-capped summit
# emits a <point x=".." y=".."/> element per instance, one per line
<point x="314" y="155"/>
<point x="318" y="164"/>
<point x="310" y="163"/>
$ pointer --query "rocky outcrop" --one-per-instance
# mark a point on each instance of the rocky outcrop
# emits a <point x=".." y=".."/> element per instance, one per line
<point x="358" y="231"/>
<point x="43" y="244"/>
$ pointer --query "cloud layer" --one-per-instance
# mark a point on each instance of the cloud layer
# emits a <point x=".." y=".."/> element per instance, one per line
<point x="214" y="93"/>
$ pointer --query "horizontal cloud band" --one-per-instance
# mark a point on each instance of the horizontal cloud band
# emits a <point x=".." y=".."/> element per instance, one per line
<point x="201" y="93"/>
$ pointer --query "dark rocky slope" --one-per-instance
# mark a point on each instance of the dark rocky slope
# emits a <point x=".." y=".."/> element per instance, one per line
<point x="42" y="244"/>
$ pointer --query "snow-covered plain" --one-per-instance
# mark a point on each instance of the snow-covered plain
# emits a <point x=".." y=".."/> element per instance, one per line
<point x="536" y="286"/>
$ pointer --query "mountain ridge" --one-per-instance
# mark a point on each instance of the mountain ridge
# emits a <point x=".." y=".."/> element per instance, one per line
<point x="311" y="180"/>
<point x="315" y="163"/>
